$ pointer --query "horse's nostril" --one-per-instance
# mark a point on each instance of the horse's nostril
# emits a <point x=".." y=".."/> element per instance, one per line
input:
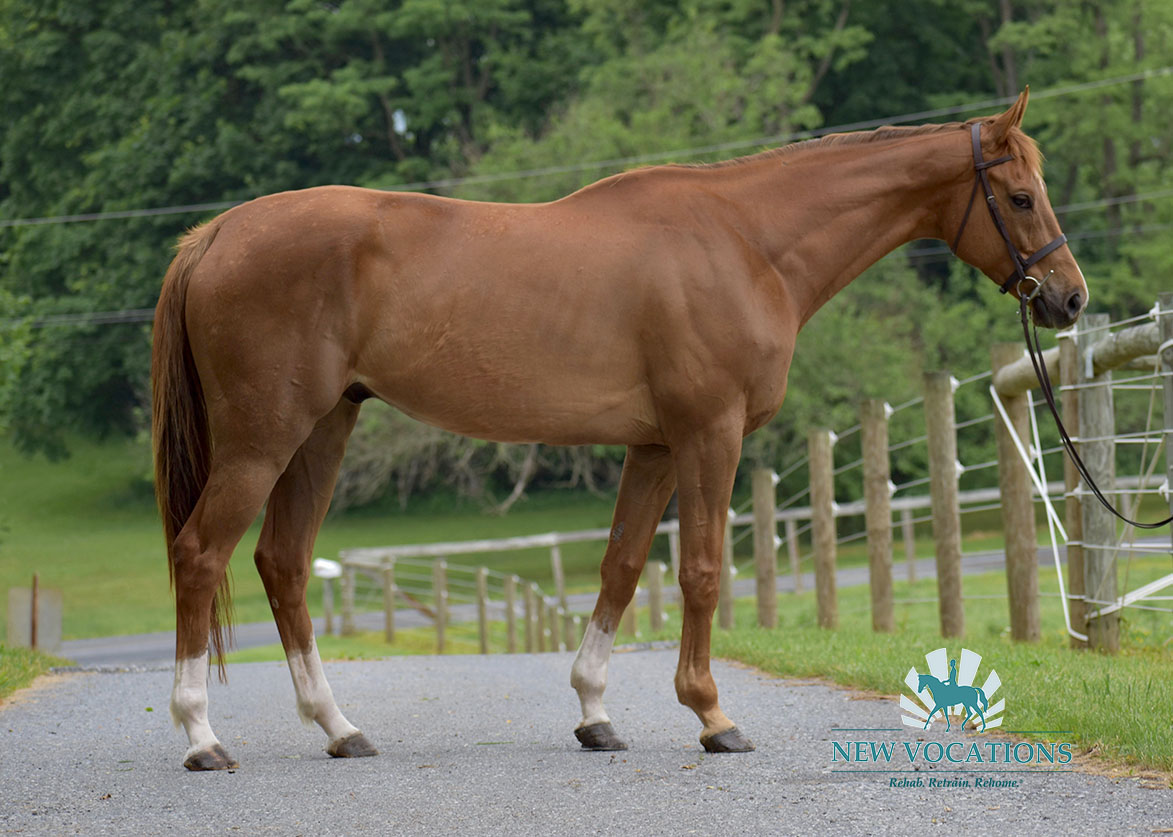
<point x="1074" y="304"/>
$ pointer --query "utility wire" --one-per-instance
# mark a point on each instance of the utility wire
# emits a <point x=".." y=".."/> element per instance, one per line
<point x="146" y="315"/>
<point x="620" y="162"/>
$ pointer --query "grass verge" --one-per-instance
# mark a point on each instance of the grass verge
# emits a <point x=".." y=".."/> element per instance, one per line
<point x="21" y="666"/>
<point x="1112" y="705"/>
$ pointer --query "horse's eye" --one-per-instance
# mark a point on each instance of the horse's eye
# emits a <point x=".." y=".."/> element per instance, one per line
<point x="1022" y="201"/>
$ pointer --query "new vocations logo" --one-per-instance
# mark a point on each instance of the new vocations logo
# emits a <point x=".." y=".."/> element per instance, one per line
<point x="953" y="691"/>
<point x="948" y="689"/>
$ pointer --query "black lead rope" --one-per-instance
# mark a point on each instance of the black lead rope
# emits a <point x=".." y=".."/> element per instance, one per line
<point x="1036" y="353"/>
<point x="1016" y="280"/>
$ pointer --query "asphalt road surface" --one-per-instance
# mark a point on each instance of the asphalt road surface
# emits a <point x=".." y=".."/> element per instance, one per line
<point x="484" y="746"/>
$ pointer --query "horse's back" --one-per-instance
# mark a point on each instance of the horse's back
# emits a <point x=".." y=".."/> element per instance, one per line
<point x="577" y="321"/>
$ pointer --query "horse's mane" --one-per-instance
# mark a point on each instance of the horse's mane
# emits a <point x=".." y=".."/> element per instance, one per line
<point x="1020" y="145"/>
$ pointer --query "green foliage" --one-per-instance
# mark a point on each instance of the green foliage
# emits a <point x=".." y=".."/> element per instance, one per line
<point x="111" y="105"/>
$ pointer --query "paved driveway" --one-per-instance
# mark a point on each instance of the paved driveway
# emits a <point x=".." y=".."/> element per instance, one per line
<point x="483" y="746"/>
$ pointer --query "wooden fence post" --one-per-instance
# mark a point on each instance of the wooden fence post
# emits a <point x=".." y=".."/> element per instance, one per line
<point x="389" y="600"/>
<point x="483" y="608"/>
<point x="674" y="558"/>
<point x="1165" y="330"/>
<point x="1072" y="503"/>
<point x="348" y="582"/>
<point x="540" y="637"/>
<point x="873" y="419"/>
<point x="553" y="641"/>
<point x="33" y="614"/>
<point x="822" y="493"/>
<point x="765" y="546"/>
<point x="629" y="621"/>
<point x="530" y="605"/>
<point x="725" y="595"/>
<point x="1018" y="511"/>
<point x="569" y="635"/>
<point x="440" y="600"/>
<point x="1097" y="422"/>
<point x="908" y="535"/>
<point x="511" y="613"/>
<point x="559" y="576"/>
<point x="940" y="426"/>
<point x="792" y="552"/>
<point x="655" y="574"/>
<point x="328" y="604"/>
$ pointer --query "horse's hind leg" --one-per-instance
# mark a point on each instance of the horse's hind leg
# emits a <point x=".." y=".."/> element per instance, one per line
<point x="644" y="489"/>
<point x="295" y="512"/>
<point x="242" y="475"/>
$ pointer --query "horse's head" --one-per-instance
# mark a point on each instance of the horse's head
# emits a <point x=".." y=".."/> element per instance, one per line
<point x="924" y="681"/>
<point x="1012" y="166"/>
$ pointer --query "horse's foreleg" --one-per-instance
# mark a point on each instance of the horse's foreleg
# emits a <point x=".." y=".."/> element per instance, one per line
<point x="644" y="489"/>
<point x="705" y="467"/>
<point x="235" y="491"/>
<point x="296" y="509"/>
<point x="929" y="719"/>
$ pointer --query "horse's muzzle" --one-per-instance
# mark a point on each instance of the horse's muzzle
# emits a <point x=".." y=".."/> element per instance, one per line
<point x="1057" y="307"/>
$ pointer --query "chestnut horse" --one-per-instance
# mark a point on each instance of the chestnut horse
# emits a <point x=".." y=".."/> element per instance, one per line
<point x="656" y="309"/>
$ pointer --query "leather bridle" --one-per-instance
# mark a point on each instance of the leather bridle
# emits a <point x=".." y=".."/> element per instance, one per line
<point x="1016" y="280"/>
<point x="982" y="179"/>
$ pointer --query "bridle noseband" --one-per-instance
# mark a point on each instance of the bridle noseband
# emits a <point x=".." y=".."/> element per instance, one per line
<point x="981" y="178"/>
<point x="1015" y="280"/>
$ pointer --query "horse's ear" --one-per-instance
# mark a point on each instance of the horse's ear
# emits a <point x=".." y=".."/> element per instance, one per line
<point x="1012" y="118"/>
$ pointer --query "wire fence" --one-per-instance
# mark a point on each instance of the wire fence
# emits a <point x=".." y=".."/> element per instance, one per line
<point x="1142" y="390"/>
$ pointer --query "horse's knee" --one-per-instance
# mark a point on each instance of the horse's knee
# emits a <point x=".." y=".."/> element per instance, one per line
<point x="700" y="584"/>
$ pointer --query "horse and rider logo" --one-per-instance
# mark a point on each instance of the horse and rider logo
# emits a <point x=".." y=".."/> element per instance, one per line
<point x="948" y="689"/>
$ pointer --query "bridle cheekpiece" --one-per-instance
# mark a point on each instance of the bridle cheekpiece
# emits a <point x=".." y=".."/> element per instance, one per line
<point x="981" y="178"/>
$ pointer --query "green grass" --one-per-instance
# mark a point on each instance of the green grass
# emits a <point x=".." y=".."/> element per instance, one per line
<point x="88" y="527"/>
<point x="21" y="666"/>
<point x="1114" y="705"/>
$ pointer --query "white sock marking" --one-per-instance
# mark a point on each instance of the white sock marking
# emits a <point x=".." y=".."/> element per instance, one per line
<point x="189" y="703"/>
<point x="315" y="701"/>
<point x="588" y="676"/>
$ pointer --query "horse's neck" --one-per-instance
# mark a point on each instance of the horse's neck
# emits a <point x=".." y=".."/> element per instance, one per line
<point x="822" y="216"/>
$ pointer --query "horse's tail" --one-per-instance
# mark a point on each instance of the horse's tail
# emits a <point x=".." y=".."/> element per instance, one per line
<point x="179" y="419"/>
<point x="982" y="698"/>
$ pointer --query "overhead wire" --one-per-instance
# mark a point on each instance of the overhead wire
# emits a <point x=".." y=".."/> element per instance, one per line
<point x="619" y="162"/>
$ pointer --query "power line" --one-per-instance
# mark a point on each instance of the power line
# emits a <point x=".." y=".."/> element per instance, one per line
<point x="1116" y="201"/>
<point x="146" y="315"/>
<point x="931" y="253"/>
<point x="620" y="162"/>
<point x="130" y="315"/>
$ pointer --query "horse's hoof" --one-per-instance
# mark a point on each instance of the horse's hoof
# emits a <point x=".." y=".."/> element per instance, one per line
<point x="729" y="741"/>
<point x="599" y="736"/>
<point x="352" y="747"/>
<point x="214" y="758"/>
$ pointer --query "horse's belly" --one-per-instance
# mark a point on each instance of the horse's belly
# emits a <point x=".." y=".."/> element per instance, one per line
<point x="510" y="404"/>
